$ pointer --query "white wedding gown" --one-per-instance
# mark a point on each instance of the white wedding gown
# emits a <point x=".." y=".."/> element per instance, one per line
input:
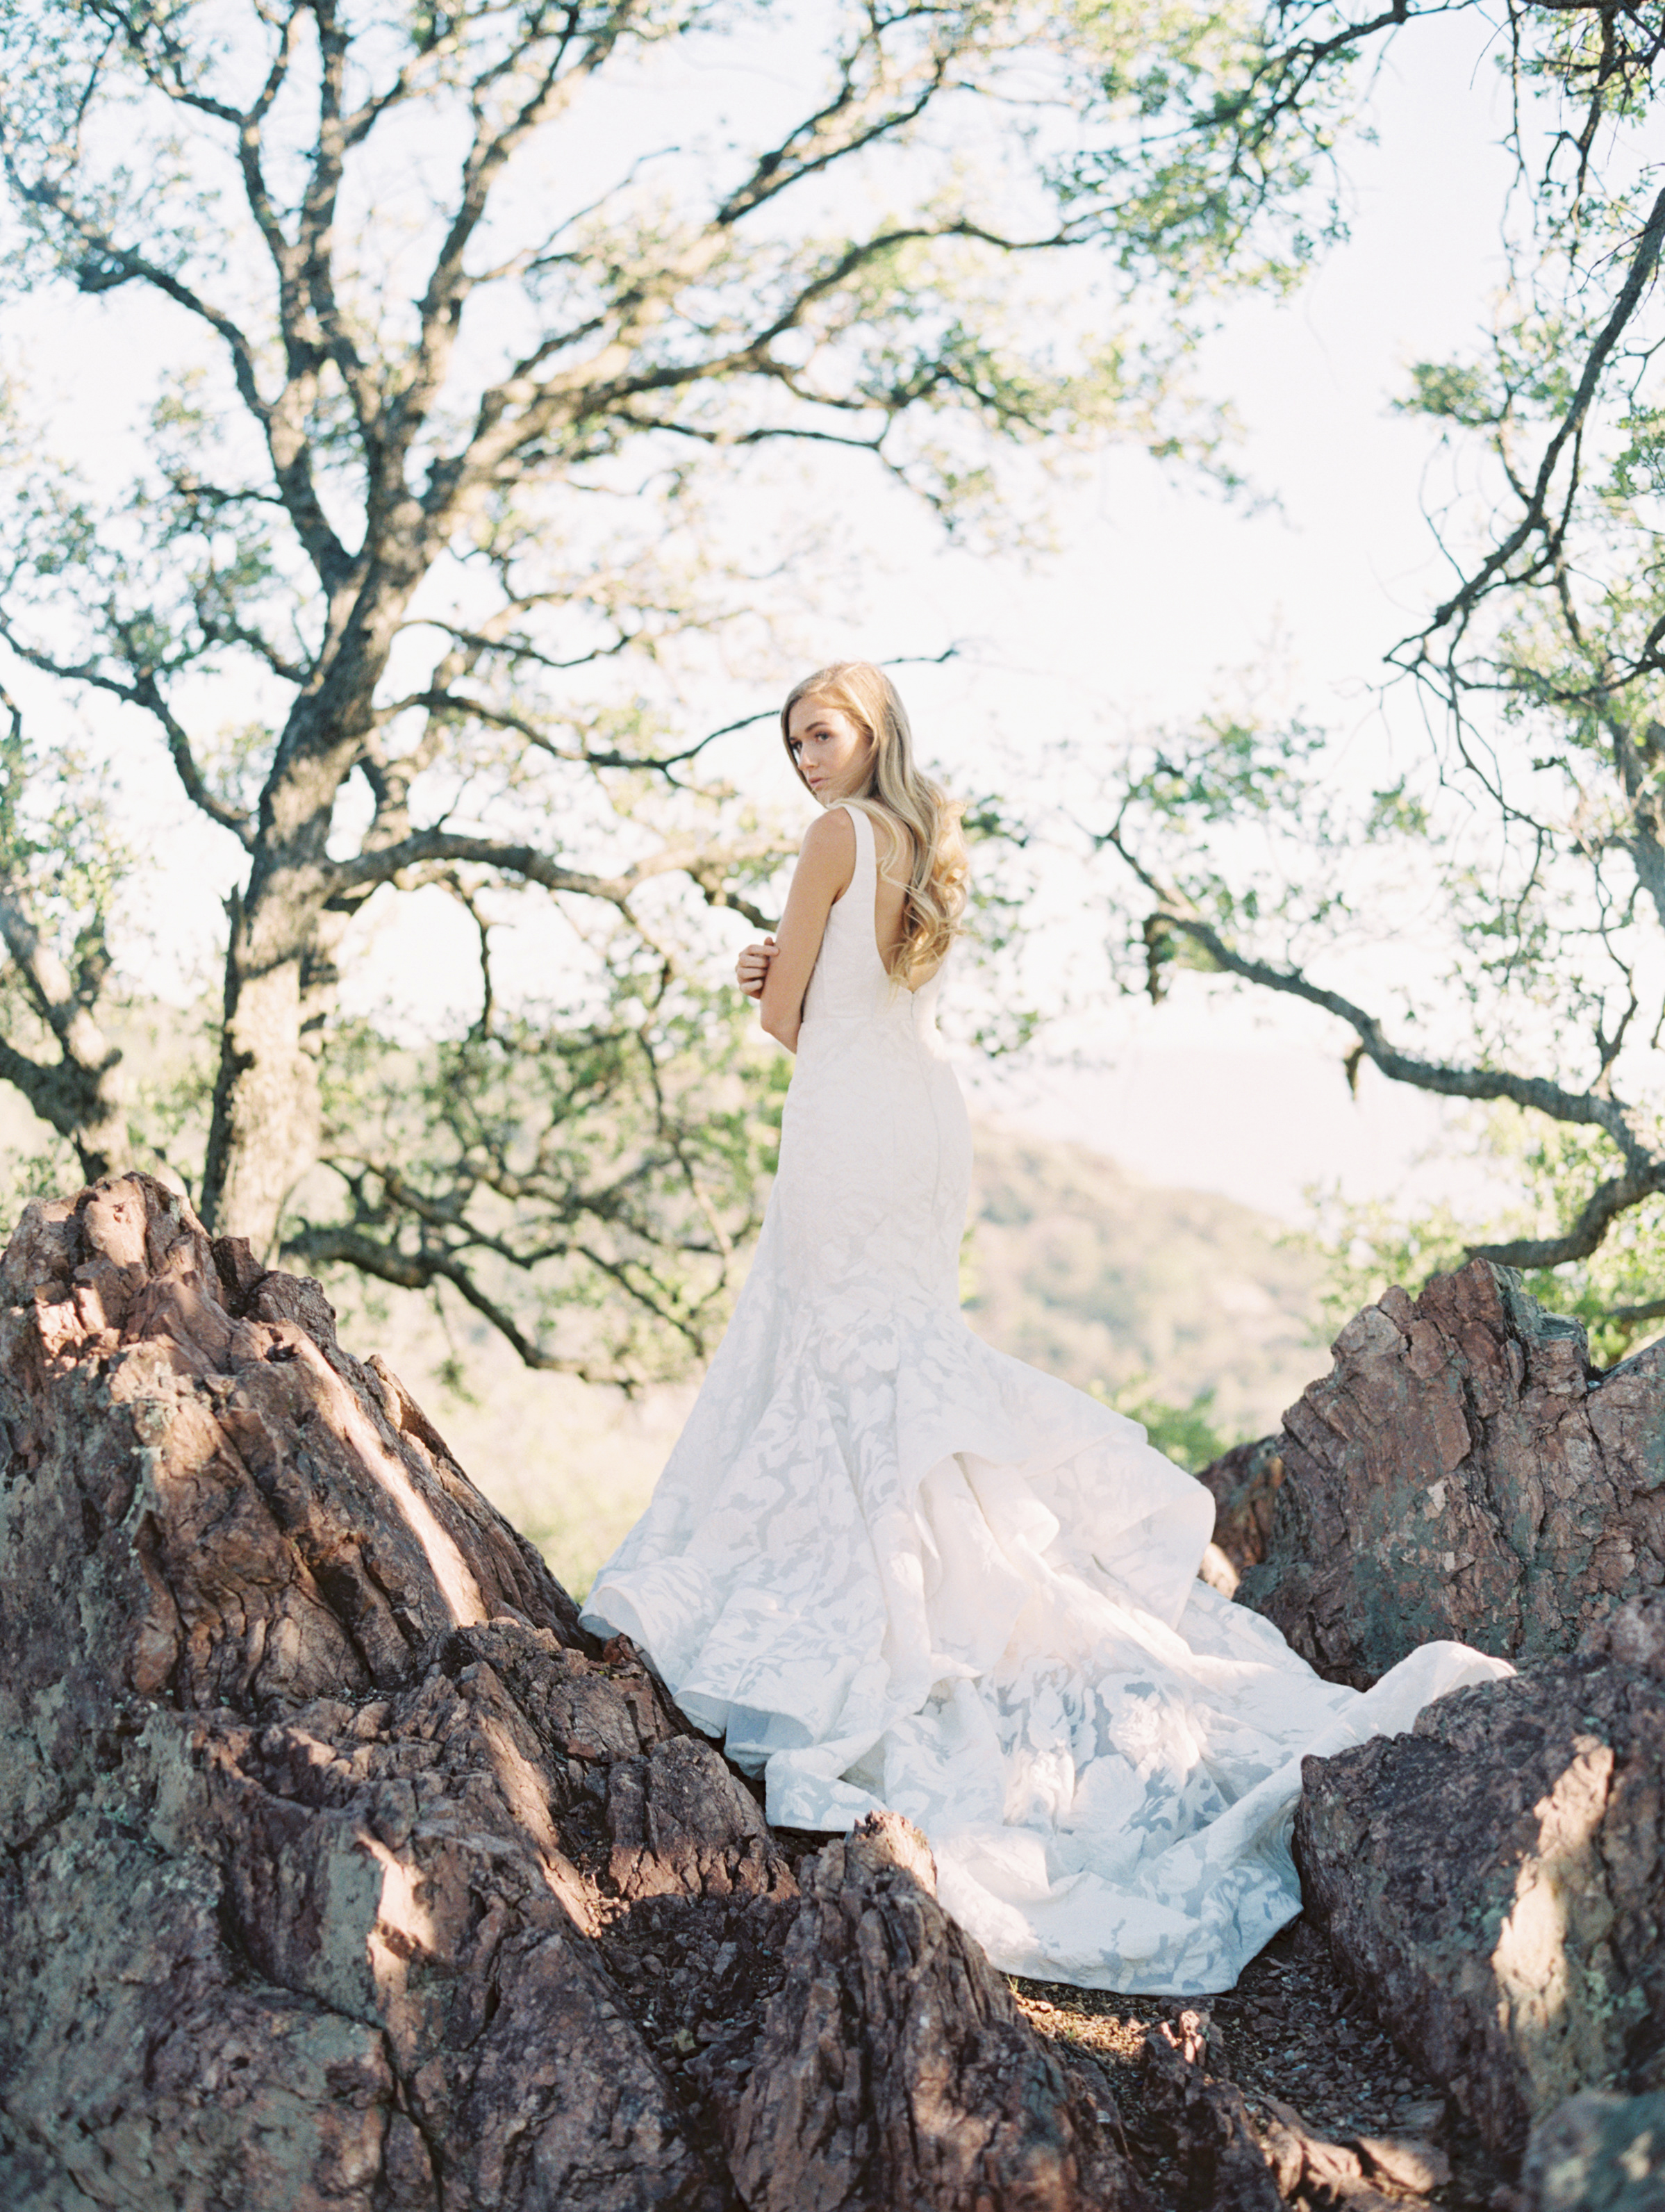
<point x="890" y="1567"/>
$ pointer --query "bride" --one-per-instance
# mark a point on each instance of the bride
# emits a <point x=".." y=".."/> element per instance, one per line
<point x="888" y="1565"/>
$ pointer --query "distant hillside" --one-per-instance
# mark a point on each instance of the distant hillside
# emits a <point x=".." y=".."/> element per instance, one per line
<point x="1079" y="1267"/>
<point x="1073" y="1264"/>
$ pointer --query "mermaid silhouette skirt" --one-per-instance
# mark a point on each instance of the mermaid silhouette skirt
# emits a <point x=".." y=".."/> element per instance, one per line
<point x="887" y="1566"/>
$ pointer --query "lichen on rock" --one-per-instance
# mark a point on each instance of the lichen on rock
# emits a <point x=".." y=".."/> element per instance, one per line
<point x="1462" y="1471"/>
<point x="343" y="1870"/>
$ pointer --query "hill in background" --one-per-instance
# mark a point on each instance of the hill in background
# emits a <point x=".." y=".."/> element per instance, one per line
<point x="1080" y="1267"/>
<point x="1071" y="1263"/>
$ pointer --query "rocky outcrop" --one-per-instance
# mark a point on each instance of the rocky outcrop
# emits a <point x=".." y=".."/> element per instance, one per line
<point x="1245" y="1482"/>
<point x="958" y="2104"/>
<point x="1201" y="2126"/>
<point x="1461" y="1472"/>
<point x="1220" y="2151"/>
<point x="1495" y="1880"/>
<point x="1598" y="2153"/>
<point x="343" y="1870"/>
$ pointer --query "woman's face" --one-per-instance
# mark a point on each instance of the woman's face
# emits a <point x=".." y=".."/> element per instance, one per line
<point x="834" y="753"/>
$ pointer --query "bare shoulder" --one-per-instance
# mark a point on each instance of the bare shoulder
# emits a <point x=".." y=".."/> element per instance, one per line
<point x="829" y="846"/>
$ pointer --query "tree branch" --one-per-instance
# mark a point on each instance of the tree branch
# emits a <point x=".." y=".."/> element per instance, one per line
<point x="380" y="865"/>
<point x="421" y="1271"/>
<point x="142" y="690"/>
<point x="1543" y="1096"/>
<point x="1596" y="1216"/>
<point x="82" y="1096"/>
<point x="1644" y="262"/>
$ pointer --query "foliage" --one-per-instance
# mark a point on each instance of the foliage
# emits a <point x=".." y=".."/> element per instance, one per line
<point x="1487" y="922"/>
<point x="586" y="1184"/>
<point x="63" y="860"/>
<point x="1186" y="1434"/>
<point x="427" y="547"/>
<point x="1540" y="1172"/>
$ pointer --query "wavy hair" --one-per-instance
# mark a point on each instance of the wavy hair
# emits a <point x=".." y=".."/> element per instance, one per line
<point x="934" y="889"/>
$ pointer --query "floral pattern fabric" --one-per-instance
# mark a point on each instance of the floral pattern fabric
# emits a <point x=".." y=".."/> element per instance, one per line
<point x="888" y="1565"/>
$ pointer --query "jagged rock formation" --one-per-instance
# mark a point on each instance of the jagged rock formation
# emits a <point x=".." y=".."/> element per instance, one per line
<point x="960" y="2104"/>
<point x="1461" y="1472"/>
<point x="1224" y="2158"/>
<point x="1598" y="2153"/>
<point x="1495" y="1880"/>
<point x="1245" y="1482"/>
<point x="1201" y="2123"/>
<point x="341" y="1869"/>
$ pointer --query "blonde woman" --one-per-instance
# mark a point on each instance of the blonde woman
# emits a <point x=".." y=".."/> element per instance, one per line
<point x="888" y="1565"/>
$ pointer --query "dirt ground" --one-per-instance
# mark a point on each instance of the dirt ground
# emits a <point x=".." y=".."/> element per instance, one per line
<point x="1293" y="2034"/>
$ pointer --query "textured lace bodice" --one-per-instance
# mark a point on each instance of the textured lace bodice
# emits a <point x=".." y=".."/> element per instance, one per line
<point x="887" y="1565"/>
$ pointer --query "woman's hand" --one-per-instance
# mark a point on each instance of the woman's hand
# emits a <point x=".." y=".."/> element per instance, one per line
<point x="752" y="968"/>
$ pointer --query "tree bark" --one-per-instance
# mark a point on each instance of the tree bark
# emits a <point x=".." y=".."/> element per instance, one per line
<point x="267" y="1118"/>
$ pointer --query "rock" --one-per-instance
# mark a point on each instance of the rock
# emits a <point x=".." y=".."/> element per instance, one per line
<point x="665" y="1840"/>
<point x="1245" y="1482"/>
<point x="1598" y="2153"/>
<point x="1311" y="2169"/>
<point x="1225" y="2158"/>
<point x="895" y="2052"/>
<point x="1413" y="2162"/>
<point x="1217" y="1571"/>
<point x="1492" y="1880"/>
<point x="1201" y="2124"/>
<point x="343" y="1870"/>
<point x="1461" y="1472"/>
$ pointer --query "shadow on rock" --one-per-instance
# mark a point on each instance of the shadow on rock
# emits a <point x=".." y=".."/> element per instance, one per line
<point x="344" y="1870"/>
<point x="1461" y="1472"/>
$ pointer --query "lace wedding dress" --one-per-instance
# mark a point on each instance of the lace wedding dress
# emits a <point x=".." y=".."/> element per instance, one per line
<point x="890" y="1567"/>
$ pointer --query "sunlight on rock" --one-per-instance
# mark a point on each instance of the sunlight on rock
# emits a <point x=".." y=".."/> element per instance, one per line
<point x="403" y="1928"/>
<point x="457" y="1585"/>
<point x="1550" y="1952"/>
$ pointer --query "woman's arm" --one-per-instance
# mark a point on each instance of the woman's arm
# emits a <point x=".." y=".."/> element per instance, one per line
<point x="826" y="862"/>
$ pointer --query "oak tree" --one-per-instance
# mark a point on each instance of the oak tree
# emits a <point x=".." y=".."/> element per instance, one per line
<point x="1483" y="918"/>
<point x="470" y="352"/>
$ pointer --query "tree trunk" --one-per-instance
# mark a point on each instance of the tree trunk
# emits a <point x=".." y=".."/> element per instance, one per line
<point x="267" y="1118"/>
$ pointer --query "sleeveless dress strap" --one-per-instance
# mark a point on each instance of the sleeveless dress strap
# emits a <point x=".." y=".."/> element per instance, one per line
<point x="866" y="846"/>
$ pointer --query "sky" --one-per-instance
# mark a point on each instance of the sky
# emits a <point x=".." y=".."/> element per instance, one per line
<point x="1158" y="591"/>
<point x="1161" y="592"/>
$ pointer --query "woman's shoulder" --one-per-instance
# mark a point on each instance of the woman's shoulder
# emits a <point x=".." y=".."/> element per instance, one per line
<point x="827" y="847"/>
<point x="831" y="833"/>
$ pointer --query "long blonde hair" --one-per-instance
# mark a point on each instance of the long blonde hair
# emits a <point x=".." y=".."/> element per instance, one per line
<point x="935" y="889"/>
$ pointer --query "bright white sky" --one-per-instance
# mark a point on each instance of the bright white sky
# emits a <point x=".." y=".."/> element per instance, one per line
<point x="1162" y="591"/>
<point x="1158" y="592"/>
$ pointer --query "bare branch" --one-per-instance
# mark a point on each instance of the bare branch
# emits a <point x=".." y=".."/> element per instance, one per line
<point x="82" y="1096"/>
<point x="142" y="690"/>
<point x="421" y="1271"/>
<point x="1595" y="1216"/>
<point x="1583" y="1108"/>
<point x="64" y="1095"/>
<point x="1645" y="260"/>
<point x="688" y="857"/>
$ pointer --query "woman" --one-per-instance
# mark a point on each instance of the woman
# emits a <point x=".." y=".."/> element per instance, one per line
<point x="888" y="1565"/>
